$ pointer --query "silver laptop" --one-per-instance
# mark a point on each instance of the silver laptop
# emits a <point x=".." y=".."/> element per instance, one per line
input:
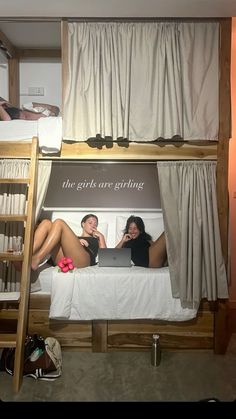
<point x="114" y="257"/>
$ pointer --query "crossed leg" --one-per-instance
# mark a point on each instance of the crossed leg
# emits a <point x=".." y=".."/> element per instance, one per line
<point x="157" y="252"/>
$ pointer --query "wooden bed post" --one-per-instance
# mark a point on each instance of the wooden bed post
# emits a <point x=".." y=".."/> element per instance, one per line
<point x="14" y="81"/>
<point x="222" y="335"/>
<point x="99" y="335"/>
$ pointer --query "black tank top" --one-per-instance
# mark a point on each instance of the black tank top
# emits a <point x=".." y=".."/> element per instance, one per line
<point x="92" y="248"/>
<point x="139" y="251"/>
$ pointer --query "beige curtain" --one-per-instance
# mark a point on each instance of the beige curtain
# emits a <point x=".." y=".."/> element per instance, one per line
<point x="142" y="81"/>
<point x="13" y="201"/>
<point x="188" y="194"/>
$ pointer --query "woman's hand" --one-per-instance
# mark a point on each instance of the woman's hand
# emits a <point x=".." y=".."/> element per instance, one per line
<point x="84" y="242"/>
<point x="3" y="102"/>
<point x="126" y="237"/>
<point x="100" y="237"/>
<point x="3" y="114"/>
<point x="97" y="234"/>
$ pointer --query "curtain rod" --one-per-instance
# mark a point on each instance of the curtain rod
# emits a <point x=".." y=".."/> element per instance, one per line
<point x="140" y="19"/>
<point x="110" y="19"/>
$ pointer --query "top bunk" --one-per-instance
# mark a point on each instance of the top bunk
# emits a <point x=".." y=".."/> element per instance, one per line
<point x="98" y="144"/>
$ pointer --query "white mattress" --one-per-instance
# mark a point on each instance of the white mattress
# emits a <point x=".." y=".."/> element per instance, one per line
<point x="48" y="130"/>
<point x="18" y="130"/>
<point x="45" y="280"/>
<point x="112" y="293"/>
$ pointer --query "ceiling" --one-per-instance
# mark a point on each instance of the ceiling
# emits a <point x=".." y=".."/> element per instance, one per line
<point x="32" y="24"/>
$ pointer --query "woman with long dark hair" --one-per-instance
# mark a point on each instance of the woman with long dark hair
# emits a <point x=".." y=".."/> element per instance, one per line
<point x="144" y="251"/>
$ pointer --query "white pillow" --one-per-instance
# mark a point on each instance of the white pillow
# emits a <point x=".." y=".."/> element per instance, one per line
<point x="153" y="226"/>
<point x="77" y="229"/>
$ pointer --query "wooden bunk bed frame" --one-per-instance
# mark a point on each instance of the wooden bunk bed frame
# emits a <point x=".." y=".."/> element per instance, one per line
<point x="210" y="329"/>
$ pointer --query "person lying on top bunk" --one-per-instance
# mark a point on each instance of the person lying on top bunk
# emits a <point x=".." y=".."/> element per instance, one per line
<point x="144" y="251"/>
<point x="31" y="111"/>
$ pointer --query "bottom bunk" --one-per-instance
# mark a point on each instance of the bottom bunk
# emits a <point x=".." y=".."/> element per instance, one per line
<point x="207" y="331"/>
<point x="118" y="335"/>
<point x="130" y="305"/>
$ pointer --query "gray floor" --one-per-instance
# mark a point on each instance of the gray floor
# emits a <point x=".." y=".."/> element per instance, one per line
<point x="129" y="376"/>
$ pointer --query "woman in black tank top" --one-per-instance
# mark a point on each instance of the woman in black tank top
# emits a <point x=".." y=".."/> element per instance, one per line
<point x="144" y="251"/>
<point x="56" y="239"/>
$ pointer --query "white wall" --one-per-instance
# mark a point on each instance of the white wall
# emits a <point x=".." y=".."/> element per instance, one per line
<point x="3" y="76"/>
<point x="41" y="74"/>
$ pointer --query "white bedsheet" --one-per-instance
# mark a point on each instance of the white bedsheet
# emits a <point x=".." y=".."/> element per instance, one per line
<point x="18" y="130"/>
<point x="48" y="130"/>
<point x="115" y="293"/>
<point x="50" y="134"/>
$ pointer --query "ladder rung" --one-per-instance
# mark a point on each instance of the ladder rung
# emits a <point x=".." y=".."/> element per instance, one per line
<point x="8" y="313"/>
<point x="10" y="256"/>
<point x="10" y="296"/>
<point x="14" y="180"/>
<point x="7" y="340"/>
<point x="13" y="217"/>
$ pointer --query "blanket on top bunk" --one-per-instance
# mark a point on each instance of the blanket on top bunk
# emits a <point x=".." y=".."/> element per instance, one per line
<point x="115" y="293"/>
<point x="48" y="130"/>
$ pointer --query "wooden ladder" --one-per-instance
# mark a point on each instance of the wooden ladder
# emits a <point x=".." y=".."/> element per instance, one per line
<point x="17" y="340"/>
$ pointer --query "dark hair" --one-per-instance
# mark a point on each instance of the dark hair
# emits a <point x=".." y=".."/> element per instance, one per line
<point x="13" y="112"/>
<point x="88" y="216"/>
<point x="140" y="225"/>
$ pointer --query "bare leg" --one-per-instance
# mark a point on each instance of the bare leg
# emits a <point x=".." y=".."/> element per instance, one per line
<point x="40" y="234"/>
<point x="157" y="252"/>
<point x="57" y="253"/>
<point x="60" y="235"/>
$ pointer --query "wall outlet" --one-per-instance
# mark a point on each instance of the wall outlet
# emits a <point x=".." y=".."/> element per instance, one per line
<point x="36" y="91"/>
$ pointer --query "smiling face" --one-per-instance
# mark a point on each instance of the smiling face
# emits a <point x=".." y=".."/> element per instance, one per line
<point x="133" y="231"/>
<point x="89" y="226"/>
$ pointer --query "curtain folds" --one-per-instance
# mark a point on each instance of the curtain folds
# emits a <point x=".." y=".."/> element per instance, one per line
<point x="13" y="201"/>
<point x="44" y="172"/>
<point x="189" y="202"/>
<point x="142" y="81"/>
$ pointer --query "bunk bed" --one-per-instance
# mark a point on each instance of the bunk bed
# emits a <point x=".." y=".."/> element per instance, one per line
<point x="209" y="330"/>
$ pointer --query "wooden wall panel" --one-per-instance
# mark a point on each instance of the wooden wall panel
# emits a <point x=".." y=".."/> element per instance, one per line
<point x="69" y="334"/>
<point x="194" y="334"/>
<point x="122" y="335"/>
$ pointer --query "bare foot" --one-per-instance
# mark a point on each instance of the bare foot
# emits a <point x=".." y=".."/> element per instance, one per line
<point x="35" y="263"/>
